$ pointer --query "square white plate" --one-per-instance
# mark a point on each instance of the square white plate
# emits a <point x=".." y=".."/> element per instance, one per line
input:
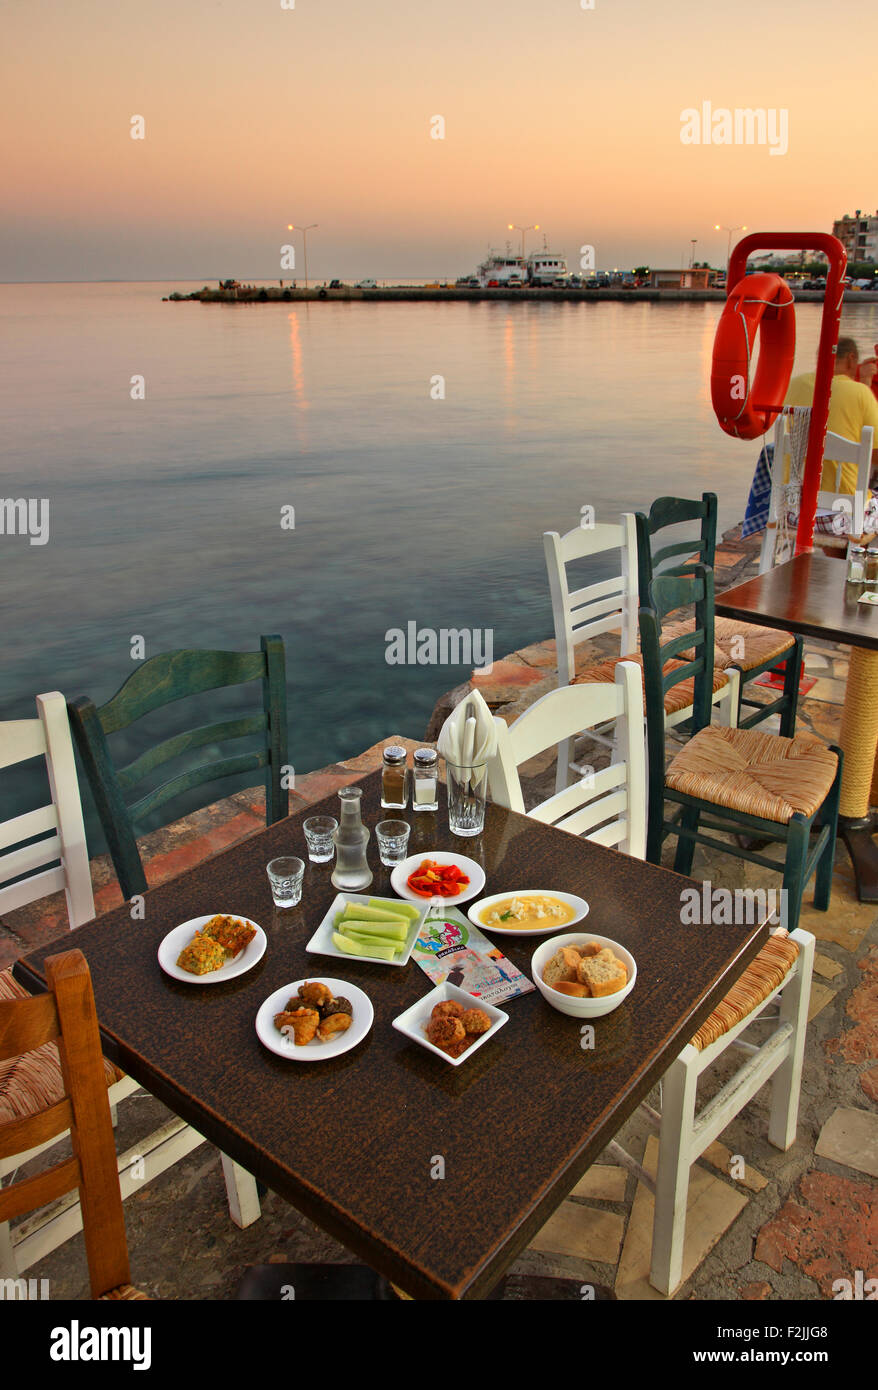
<point x="413" y="1022"/>
<point x="322" y="944"/>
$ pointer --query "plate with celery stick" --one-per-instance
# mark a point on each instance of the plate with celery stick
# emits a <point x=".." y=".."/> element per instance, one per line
<point x="377" y="931"/>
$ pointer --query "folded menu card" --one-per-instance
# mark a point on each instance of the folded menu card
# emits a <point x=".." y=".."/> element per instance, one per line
<point x="450" y="948"/>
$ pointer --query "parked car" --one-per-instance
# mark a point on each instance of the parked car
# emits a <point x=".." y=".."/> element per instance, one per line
<point x="336" y="284"/>
<point x="366" y="285"/>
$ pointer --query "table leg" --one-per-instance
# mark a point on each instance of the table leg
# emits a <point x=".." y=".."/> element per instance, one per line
<point x="859" y="742"/>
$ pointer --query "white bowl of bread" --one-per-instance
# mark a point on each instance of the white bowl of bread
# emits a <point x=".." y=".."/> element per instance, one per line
<point x="583" y="975"/>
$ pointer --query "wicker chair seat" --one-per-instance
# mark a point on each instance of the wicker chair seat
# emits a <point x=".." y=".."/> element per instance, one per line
<point x="761" y="644"/>
<point x="762" y="775"/>
<point x="33" y="1082"/>
<point x="125" y="1293"/>
<point x="679" y="697"/>
<point x="762" y="976"/>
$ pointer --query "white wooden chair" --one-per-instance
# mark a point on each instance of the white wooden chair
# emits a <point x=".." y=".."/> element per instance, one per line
<point x="31" y="1084"/>
<point x="611" y="810"/>
<point x="607" y="806"/>
<point x="605" y="606"/>
<point x="777" y="541"/>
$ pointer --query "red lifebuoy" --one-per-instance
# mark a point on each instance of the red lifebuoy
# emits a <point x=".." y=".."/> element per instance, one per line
<point x="758" y="303"/>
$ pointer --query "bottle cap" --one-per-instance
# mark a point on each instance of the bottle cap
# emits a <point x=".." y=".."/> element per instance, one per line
<point x="394" y="754"/>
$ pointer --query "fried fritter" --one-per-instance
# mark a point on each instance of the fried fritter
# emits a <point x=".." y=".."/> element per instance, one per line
<point x="301" y="1024"/>
<point x="314" y="993"/>
<point x="201" y="956"/>
<point x="336" y="1023"/>
<point x="444" y="1030"/>
<point x="475" y="1021"/>
<point x="231" y="933"/>
<point x="336" y="1006"/>
<point x="447" y="1008"/>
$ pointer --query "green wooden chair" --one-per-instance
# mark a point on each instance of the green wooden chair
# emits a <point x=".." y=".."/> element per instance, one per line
<point x="747" y="647"/>
<point x="158" y="682"/>
<point x="767" y="785"/>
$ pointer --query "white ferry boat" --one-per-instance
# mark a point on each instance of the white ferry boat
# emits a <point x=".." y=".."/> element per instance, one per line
<point x="546" y="268"/>
<point x="500" y="270"/>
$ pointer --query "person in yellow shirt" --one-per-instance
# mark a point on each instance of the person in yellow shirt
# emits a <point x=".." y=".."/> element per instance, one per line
<point x="851" y="406"/>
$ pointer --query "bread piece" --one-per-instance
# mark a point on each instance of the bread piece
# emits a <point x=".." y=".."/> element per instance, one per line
<point x="565" y="987"/>
<point x="601" y="976"/>
<point x="562" y="966"/>
<point x="590" y="948"/>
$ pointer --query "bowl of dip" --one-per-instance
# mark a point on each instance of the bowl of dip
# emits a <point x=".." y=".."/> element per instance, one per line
<point x="529" y="912"/>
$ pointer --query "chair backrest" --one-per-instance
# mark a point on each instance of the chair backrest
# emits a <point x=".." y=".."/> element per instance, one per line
<point x="23" y="875"/>
<point x="607" y="806"/>
<point x="674" y="511"/>
<point x="836" y="451"/>
<point x="667" y="593"/>
<point x="66" y="1014"/>
<point x="595" y="608"/>
<point x="160" y="681"/>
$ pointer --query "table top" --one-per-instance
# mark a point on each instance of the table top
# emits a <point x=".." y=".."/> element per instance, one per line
<point x="808" y="594"/>
<point x="353" y="1142"/>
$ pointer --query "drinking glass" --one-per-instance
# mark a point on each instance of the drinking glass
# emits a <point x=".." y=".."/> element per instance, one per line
<point x="285" y="877"/>
<point x="467" y="792"/>
<point x="393" y="841"/>
<point x="318" y="835"/>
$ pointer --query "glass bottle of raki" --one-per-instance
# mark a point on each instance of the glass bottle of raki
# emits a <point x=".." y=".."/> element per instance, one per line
<point x="351" y="871"/>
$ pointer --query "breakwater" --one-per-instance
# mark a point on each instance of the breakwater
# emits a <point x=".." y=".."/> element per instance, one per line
<point x="420" y="294"/>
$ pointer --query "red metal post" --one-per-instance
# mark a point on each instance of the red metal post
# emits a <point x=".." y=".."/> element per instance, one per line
<point x="829" y="327"/>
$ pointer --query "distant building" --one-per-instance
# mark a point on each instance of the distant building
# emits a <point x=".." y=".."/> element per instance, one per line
<point x="693" y="279"/>
<point x="858" y="235"/>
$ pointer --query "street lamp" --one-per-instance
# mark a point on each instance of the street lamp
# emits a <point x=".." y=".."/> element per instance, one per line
<point x="513" y="227"/>
<point x="730" y="230"/>
<point x="304" y="231"/>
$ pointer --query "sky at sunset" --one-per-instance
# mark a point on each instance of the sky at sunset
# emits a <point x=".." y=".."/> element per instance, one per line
<point x="256" y="116"/>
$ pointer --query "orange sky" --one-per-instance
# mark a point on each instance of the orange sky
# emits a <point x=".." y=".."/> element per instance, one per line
<point x="258" y="116"/>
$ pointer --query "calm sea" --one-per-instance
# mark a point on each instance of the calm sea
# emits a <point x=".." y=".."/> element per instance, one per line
<point x="165" y="512"/>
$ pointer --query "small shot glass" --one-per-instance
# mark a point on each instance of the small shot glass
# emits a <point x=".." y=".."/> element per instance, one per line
<point x="285" y="877"/>
<point x="319" y="831"/>
<point x="393" y="840"/>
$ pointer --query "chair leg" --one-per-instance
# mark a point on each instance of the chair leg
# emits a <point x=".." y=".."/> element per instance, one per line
<point x="794" y="867"/>
<point x="685" y="845"/>
<point x="792" y="676"/>
<point x="8" y="1263"/>
<point x="241" y="1191"/>
<point x="729" y="706"/>
<point x="672" y="1180"/>
<point x="826" y="862"/>
<point x="787" y="1080"/>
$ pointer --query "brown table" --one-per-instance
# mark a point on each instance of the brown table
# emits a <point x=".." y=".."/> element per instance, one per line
<point x="810" y="594"/>
<point x="352" y="1142"/>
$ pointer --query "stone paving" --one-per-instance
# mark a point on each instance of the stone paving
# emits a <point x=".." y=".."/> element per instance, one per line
<point x="761" y="1224"/>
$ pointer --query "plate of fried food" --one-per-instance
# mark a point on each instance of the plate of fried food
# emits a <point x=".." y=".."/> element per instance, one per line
<point x="312" y="1020"/>
<point x="450" y="1022"/>
<point x="582" y="975"/>
<point x="209" y="950"/>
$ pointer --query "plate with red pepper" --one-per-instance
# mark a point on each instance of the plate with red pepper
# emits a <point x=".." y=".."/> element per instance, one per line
<point x="437" y="876"/>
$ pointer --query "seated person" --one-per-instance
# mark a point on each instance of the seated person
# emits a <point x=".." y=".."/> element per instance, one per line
<point x="851" y="406"/>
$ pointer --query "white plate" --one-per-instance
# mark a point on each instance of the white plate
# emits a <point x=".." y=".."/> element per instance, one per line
<point x="474" y="912"/>
<point x="173" y="943"/>
<point x="322" y="944"/>
<point x="314" y="1051"/>
<point x="567" y="1003"/>
<point x="413" y="1022"/>
<point x="473" y="871"/>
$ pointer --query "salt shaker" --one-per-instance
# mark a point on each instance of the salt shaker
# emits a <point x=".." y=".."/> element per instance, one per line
<point x="425" y="780"/>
